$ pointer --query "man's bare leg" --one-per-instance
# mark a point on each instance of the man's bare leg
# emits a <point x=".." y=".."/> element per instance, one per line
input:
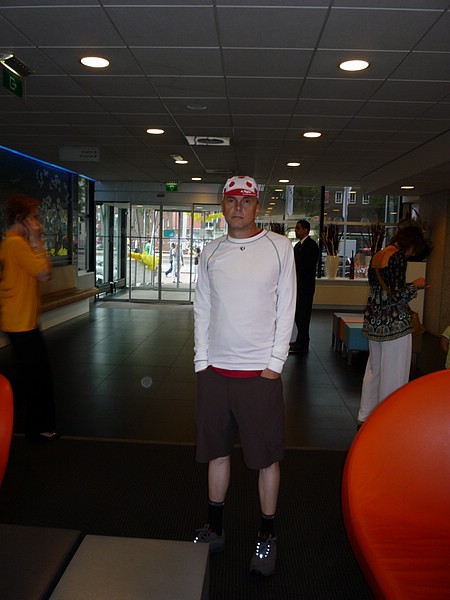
<point x="268" y="487"/>
<point x="219" y="470"/>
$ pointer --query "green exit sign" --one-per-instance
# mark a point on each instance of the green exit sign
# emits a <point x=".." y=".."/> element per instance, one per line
<point x="12" y="82"/>
<point x="171" y="187"/>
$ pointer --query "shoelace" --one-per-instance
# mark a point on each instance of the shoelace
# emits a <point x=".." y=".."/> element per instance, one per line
<point x="202" y="534"/>
<point x="263" y="554"/>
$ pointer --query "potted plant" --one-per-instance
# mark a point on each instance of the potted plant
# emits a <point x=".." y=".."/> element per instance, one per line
<point x="376" y="233"/>
<point x="331" y="237"/>
<point x="278" y="228"/>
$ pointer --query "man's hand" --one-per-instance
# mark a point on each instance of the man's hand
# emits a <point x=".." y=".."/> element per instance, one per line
<point x="269" y="374"/>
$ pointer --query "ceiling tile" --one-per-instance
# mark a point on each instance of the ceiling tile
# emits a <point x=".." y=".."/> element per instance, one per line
<point x="264" y="70"/>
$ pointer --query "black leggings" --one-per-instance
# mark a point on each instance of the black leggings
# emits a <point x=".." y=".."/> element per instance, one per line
<point x="33" y="383"/>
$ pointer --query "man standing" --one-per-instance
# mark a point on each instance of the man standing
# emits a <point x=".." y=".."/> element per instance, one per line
<point x="244" y="309"/>
<point x="306" y="254"/>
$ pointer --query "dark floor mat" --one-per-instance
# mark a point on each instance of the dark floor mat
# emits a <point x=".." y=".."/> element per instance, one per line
<point x="159" y="491"/>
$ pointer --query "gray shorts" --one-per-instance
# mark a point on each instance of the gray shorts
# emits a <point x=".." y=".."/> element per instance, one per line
<point x="252" y="408"/>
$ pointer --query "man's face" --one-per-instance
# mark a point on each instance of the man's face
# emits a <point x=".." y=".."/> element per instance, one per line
<point x="300" y="231"/>
<point x="240" y="211"/>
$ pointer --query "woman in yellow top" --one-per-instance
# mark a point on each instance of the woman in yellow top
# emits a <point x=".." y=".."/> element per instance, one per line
<point x="23" y="263"/>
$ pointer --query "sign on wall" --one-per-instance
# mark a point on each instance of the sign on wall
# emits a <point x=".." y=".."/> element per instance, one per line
<point x="12" y="82"/>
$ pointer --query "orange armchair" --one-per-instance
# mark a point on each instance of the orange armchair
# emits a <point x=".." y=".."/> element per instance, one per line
<point x="396" y="493"/>
<point x="6" y="423"/>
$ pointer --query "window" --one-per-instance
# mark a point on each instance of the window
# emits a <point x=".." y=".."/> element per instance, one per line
<point x="338" y="197"/>
<point x="352" y="198"/>
<point x="81" y="225"/>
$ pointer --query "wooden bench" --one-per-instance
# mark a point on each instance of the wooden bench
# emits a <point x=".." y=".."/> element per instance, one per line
<point x="65" y="296"/>
<point x="62" y="289"/>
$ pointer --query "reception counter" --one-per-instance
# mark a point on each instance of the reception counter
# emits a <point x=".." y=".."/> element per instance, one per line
<point x="341" y="293"/>
<point x="351" y="294"/>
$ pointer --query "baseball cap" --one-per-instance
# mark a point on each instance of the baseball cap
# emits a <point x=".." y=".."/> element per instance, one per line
<point x="240" y="185"/>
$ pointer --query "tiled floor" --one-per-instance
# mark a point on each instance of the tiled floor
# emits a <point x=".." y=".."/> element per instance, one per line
<point x="125" y="371"/>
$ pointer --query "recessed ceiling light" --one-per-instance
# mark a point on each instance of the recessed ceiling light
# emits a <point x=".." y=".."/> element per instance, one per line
<point x="407" y="187"/>
<point x="181" y="162"/>
<point x="155" y="131"/>
<point x="196" y="178"/>
<point x="312" y="134"/>
<point x="293" y="164"/>
<point x="283" y="181"/>
<point x="95" y="62"/>
<point x="354" y="65"/>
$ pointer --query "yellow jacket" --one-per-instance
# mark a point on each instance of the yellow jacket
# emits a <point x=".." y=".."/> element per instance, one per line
<point x="20" y="266"/>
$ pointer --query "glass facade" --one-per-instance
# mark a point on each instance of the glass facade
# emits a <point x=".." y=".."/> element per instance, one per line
<point x="360" y="219"/>
<point x="131" y="245"/>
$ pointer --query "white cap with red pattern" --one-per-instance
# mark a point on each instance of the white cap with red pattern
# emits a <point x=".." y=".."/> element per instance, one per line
<point x="240" y="185"/>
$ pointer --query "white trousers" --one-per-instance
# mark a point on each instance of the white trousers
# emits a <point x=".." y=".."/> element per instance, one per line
<point x="388" y="368"/>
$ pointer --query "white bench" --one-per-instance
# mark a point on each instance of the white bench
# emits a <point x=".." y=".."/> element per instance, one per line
<point x="114" y="568"/>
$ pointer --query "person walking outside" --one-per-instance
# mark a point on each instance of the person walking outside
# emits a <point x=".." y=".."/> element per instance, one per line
<point x="197" y="253"/>
<point x="306" y="255"/>
<point x="176" y="261"/>
<point x="244" y="312"/>
<point x="387" y="322"/>
<point x="24" y="262"/>
<point x="172" y="256"/>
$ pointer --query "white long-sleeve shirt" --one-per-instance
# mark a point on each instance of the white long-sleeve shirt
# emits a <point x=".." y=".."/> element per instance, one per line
<point x="244" y="303"/>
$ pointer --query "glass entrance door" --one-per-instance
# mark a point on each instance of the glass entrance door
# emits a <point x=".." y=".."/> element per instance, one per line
<point x="177" y="274"/>
<point x="144" y="256"/>
<point x="110" y="245"/>
<point x="160" y="249"/>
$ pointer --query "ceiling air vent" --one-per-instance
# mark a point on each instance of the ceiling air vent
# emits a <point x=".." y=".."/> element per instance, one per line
<point x="218" y="172"/>
<point x="202" y="140"/>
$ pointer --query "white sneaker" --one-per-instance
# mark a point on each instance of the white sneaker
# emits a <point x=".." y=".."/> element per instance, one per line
<point x="265" y="556"/>
<point x="206" y="535"/>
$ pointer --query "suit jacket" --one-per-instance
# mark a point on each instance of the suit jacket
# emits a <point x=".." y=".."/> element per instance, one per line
<point x="306" y="256"/>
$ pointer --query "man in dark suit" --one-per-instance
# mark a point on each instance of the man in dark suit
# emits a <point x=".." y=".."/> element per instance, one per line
<point x="306" y="254"/>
